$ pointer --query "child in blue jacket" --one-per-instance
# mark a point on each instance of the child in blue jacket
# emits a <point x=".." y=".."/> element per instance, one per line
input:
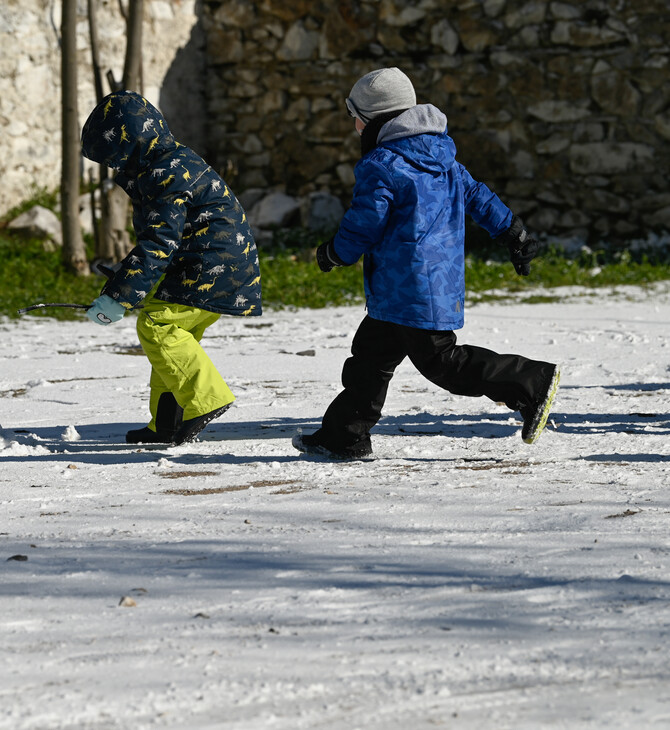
<point x="195" y="259"/>
<point x="407" y="218"/>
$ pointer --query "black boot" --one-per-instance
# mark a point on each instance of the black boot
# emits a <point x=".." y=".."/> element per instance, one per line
<point x="312" y="443"/>
<point x="535" y="416"/>
<point x="189" y="430"/>
<point x="168" y="420"/>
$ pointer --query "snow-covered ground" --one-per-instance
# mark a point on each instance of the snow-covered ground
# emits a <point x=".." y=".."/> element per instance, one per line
<point x="461" y="579"/>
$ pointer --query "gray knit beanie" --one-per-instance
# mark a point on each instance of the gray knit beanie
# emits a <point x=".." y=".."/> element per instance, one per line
<point x="381" y="91"/>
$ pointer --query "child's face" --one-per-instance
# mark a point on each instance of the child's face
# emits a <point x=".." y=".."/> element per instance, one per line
<point x="360" y="126"/>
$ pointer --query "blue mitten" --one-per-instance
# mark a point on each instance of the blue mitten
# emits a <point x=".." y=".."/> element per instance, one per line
<point x="105" y="310"/>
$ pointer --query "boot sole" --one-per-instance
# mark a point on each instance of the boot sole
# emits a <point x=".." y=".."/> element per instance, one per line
<point x="317" y="450"/>
<point x="151" y="437"/>
<point x="537" y="427"/>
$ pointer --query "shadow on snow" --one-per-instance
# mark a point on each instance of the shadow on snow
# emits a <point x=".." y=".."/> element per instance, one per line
<point x="104" y="443"/>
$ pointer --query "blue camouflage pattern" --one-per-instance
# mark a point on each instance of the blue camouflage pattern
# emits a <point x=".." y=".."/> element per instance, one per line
<point x="407" y="217"/>
<point x="194" y="243"/>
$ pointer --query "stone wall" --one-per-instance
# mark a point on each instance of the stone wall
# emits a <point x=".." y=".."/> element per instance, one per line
<point x="562" y="107"/>
<point x="30" y="117"/>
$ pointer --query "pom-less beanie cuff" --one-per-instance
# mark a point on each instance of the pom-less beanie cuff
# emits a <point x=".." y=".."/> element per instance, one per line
<point x="379" y="92"/>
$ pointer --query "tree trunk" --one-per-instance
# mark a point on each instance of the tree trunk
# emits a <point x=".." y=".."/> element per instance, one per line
<point x="117" y="200"/>
<point x="132" y="66"/>
<point x="74" y="251"/>
<point x="113" y="240"/>
<point x="104" y="248"/>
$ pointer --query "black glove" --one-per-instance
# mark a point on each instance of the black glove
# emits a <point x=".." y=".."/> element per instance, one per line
<point x="521" y="244"/>
<point x="326" y="257"/>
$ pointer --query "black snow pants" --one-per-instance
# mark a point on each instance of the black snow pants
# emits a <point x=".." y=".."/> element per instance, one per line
<point x="379" y="347"/>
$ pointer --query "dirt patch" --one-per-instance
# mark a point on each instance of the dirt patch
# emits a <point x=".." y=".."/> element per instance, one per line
<point x="184" y="474"/>
<point x="288" y="487"/>
<point x="496" y="465"/>
<point x="627" y="513"/>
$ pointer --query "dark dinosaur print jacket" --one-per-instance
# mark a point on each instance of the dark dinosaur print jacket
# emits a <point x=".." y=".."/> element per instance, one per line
<point x="193" y="238"/>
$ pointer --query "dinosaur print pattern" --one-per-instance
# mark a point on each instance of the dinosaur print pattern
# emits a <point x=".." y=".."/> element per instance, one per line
<point x="193" y="237"/>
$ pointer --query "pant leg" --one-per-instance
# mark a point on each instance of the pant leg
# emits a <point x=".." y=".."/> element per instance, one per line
<point x="156" y="389"/>
<point x="475" y="371"/>
<point x="375" y="354"/>
<point x="170" y="336"/>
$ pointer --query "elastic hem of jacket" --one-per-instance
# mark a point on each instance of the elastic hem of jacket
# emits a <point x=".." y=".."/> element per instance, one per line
<point x="450" y="325"/>
<point x="237" y="312"/>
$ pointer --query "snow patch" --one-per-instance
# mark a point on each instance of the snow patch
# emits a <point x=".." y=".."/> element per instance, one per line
<point x="70" y="434"/>
<point x="460" y="577"/>
<point x="37" y="383"/>
<point x="11" y="447"/>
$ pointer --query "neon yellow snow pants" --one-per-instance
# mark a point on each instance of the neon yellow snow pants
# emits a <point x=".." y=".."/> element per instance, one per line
<point x="170" y="336"/>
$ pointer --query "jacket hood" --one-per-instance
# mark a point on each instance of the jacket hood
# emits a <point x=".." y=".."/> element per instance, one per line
<point x="419" y="119"/>
<point x="126" y="132"/>
<point x="403" y="135"/>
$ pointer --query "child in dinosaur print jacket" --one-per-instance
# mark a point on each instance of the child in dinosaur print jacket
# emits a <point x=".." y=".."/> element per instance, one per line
<point x="195" y="259"/>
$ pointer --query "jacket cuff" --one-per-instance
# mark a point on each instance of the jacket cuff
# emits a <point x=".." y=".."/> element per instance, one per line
<point x="514" y="234"/>
<point x="332" y="255"/>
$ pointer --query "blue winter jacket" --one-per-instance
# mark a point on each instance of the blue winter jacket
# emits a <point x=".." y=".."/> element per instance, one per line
<point x="407" y="217"/>
<point x="193" y="237"/>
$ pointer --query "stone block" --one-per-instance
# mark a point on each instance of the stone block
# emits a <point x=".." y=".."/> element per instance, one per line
<point x="602" y="200"/>
<point x="287" y="10"/>
<point x="38" y="222"/>
<point x="564" y="11"/>
<point x="558" y="111"/>
<point x="276" y="209"/>
<point x="660" y="219"/>
<point x="443" y="35"/>
<point x="575" y="218"/>
<point x="582" y="35"/>
<point x="475" y="36"/>
<point x="236" y="13"/>
<point x="299" y="43"/>
<point x="610" y="158"/>
<point x="224" y="46"/>
<point x="613" y="92"/>
<point x="530" y="13"/>
<point x="321" y="211"/>
<point x="543" y="219"/>
<point x="652" y="202"/>
<point x="662" y="124"/>
<point x="552" y="145"/>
